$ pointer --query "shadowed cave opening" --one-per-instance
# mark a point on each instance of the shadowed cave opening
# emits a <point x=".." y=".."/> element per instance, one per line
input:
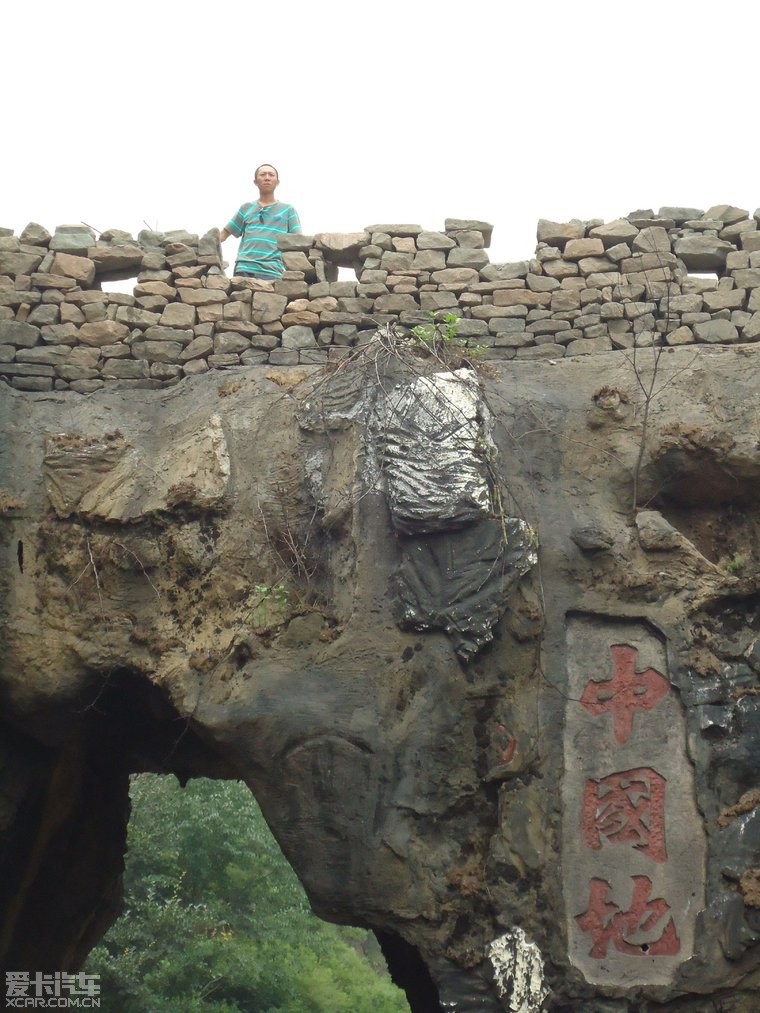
<point x="70" y="843"/>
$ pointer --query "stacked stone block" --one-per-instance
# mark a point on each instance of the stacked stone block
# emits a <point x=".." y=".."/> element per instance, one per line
<point x="590" y="287"/>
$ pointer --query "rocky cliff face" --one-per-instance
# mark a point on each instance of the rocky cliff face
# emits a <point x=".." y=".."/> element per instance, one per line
<point x="493" y="707"/>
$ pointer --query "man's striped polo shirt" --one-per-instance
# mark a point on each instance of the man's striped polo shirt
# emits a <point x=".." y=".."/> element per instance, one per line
<point x="260" y="227"/>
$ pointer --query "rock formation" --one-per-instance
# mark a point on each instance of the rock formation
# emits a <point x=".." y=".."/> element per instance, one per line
<point x="483" y="638"/>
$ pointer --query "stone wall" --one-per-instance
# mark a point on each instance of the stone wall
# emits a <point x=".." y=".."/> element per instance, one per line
<point x="590" y="287"/>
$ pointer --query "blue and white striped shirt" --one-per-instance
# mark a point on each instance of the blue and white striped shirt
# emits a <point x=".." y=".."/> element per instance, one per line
<point x="260" y="227"/>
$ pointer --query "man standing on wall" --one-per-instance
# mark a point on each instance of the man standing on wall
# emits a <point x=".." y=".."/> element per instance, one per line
<point x="260" y="224"/>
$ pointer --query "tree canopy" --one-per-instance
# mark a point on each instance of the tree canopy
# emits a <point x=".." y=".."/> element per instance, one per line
<point x="215" y="919"/>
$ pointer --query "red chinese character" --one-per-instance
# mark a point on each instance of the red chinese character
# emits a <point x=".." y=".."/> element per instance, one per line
<point x="627" y="691"/>
<point x="606" y="923"/>
<point x="628" y="807"/>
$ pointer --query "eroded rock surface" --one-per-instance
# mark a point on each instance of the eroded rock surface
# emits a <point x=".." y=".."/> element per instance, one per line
<point x="505" y="725"/>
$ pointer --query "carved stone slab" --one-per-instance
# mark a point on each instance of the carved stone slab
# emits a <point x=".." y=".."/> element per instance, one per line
<point x="633" y="843"/>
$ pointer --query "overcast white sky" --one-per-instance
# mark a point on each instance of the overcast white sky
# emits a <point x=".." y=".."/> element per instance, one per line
<point x="376" y="111"/>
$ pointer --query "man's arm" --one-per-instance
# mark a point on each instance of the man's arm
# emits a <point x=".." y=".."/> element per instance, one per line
<point x="294" y="224"/>
<point x="224" y="234"/>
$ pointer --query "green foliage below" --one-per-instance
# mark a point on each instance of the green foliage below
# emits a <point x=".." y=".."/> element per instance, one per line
<point x="216" y="920"/>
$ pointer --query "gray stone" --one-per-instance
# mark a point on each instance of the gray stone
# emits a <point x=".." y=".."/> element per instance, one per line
<point x="35" y="235"/>
<point x="159" y="333"/>
<point x="296" y="242"/>
<point x="548" y="351"/>
<point x="198" y="348"/>
<point x="48" y="314"/>
<point x="82" y="269"/>
<point x="724" y="298"/>
<point x="341" y="248"/>
<point x="455" y="225"/>
<point x="716" y="331"/>
<point x="197" y="366"/>
<point x="178" y="315"/>
<point x="74" y="239"/>
<point x="125" y="369"/>
<point x="462" y="256"/>
<point x="71" y="371"/>
<point x="26" y="369"/>
<point x="751" y="330"/>
<point x="680" y="336"/>
<point x="391" y="260"/>
<point x="614" y="233"/>
<point x="619" y="252"/>
<point x="115" y="259"/>
<point x="652" y="240"/>
<point x="726" y="213"/>
<point x="32" y="383"/>
<point x="105" y="332"/>
<point x="732" y="232"/>
<point x="472" y="240"/>
<point x="562" y="268"/>
<point x="395" y="303"/>
<point x="577" y="249"/>
<point x="434" y="241"/>
<point x="284" y="357"/>
<point x="119" y="350"/>
<point x="157" y="351"/>
<point x="655" y="533"/>
<point x="298" y="337"/>
<point x="18" y="334"/>
<point x="747" y="278"/>
<point x="165" y="371"/>
<point x="229" y="342"/>
<point x="587" y="346"/>
<point x="504" y="272"/>
<point x="50" y="355"/>
<point x="87" y="386"/>
<point x="459" y="277"/>
<point x="268" y="306"/>
<point x="202" y="296"/>
<point x="702" y="253"/>
<point x="430" y="260"/>
<point x="393" y="230"/>
<point x="558" y="233"/>
<point x="19" y="263"/>
<point x="60" y="334"/>
<point x="680" y="215"/>
<point x="592" y="536"/>
<point x="471" y="328"/>
<point x="540" y="283"/>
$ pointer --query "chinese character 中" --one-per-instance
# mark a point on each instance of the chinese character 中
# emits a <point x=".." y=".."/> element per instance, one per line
<point x="626" y="808"/>
<point x="626" y="692"/>
<point x="606" y="923"/>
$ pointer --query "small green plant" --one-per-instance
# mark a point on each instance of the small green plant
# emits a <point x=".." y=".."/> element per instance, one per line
<point x="271" y="608"/>
<point x="736" y="564"/>
<point x="441" y="338"/>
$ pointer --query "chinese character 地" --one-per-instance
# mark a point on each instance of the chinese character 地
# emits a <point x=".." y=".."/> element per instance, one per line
<point x="625" y="693"/>
<point x="607" y="924"/>
<point x="626" y="808"/>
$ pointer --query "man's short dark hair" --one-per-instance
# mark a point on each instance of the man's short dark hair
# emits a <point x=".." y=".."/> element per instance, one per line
<point x="262" y="166"/>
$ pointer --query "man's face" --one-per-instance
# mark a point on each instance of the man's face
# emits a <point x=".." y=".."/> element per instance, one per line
<point x="266" y="179"/>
